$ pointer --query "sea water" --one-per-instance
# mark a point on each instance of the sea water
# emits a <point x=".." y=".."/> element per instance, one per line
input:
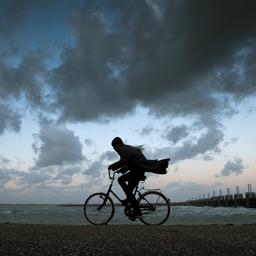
<point x="180" y="215"/>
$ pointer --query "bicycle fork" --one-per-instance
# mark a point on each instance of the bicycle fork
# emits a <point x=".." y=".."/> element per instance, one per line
<point x="105" y="197"/>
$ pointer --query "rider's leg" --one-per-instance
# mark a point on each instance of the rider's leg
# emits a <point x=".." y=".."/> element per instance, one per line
<point x="131" y="186"/>
<point x="128" y="189"/>
<point x="123" y="180"/>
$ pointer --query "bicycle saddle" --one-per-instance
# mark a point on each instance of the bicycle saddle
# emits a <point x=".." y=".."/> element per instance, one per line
<point x="143" y="178"/>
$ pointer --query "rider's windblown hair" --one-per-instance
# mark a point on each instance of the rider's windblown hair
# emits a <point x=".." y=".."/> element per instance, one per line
<point x="140" y="147"/>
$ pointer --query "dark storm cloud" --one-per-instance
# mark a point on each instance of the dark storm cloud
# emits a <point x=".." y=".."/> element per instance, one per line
<point x="201" y="139"/>
<point x="147" y="130"/>
<point x="9" y="119"/>
<point x="207" y="142"/>
<point x="177" y="133"/>
<point x="8" y="174"/>
<point x="97" y="167"/>
<point x="57" y="145"/>
<point x="235" y="166"/>
<point x="173" y="57"/>
<point x="24" y="78"/>
<point x="5" y="176"/>
<point x="12" y="16"/>
<point x="3" y="160"/>
<point x="206" y="145"/>
<point x="109" y="156"/>
<point x="88" y="142"/>
<point x="86" y="86"/>
<point x="48" y="175"/>
<point x="193" y="39"/>
<point x="13" y="13"/>
<point x="37" y="177"/>
<point x="22" y="71"/>
<point x="21" y="81"/>
<point x="65" y="174"/>
<point x="179" y="57"/>
<point x="33" y="177"/>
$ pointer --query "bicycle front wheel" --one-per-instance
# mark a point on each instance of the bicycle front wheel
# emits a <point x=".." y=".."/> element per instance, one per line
<point x="99" y="209"/>
<point x="155" y="208"/>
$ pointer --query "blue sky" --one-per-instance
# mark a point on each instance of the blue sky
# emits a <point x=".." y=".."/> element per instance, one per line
<point x="175" y="76"/>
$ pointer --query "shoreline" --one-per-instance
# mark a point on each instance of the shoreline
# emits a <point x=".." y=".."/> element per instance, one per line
<point x="132" y="224"/>
<point x="51" y="239"/>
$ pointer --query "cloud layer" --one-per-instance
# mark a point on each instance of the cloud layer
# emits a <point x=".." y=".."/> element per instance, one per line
<point x="235" y="166"/>
<point x="58" y="146"/>
<point x="9" y="119"/>
<point x="173" y="57"/>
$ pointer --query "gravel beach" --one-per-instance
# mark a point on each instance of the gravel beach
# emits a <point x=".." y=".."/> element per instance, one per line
<point x="24" y="239"/>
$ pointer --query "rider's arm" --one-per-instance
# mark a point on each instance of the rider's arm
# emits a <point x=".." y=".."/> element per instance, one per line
<point x="117" y="165"/>
<point x="125" y="155"/>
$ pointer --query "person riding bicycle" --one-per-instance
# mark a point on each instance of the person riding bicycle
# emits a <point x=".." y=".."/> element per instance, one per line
<point x="133" y="172"/>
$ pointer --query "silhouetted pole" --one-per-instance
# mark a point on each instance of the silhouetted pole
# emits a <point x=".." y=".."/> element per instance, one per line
<point x="229" y="201"/>
<point x="238" y="197"/>
<point x="250" y="197"/>
<point x="214" y="199"/>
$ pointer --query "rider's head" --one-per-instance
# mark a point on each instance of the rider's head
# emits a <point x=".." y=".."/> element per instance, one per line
<point x="117" y="143"/>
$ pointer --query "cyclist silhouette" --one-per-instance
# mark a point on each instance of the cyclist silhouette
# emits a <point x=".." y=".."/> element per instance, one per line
<point x="133" y="172"/>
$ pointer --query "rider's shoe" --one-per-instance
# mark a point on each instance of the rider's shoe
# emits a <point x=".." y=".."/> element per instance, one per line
<point x="137" y="213"/>
<point x="135" y="216"/>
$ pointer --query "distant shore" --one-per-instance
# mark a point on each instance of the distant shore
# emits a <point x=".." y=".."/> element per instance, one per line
<point x="25" y="239"/>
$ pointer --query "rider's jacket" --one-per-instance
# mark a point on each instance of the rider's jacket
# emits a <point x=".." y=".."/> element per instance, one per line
<point x="129" y="157"/>
<point x="134" y="161"/>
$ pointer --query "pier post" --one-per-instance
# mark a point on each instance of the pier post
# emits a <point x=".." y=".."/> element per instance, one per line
<point x="238" y="198"/>
<point x="220" y="199"/>
<point x="250" y="197"/>
<point x="229" y="200"/>
<point x="214" y="199"/>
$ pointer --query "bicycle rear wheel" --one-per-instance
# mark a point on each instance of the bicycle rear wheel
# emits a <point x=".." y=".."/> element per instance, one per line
<point x="155" y="208"/>
<point x="99" y="209"/>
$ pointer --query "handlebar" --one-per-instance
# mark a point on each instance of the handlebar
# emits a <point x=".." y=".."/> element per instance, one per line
<point x="112" y="177"/>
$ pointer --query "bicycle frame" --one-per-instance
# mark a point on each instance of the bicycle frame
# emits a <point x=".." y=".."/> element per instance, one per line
<point x="136" y="191"/>
<point x="110" y="191"/>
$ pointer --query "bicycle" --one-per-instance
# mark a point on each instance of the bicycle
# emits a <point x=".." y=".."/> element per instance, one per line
<point x="99" y="208"/>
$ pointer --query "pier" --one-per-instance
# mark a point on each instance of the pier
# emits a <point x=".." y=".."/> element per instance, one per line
<point x="228" y="200"/>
